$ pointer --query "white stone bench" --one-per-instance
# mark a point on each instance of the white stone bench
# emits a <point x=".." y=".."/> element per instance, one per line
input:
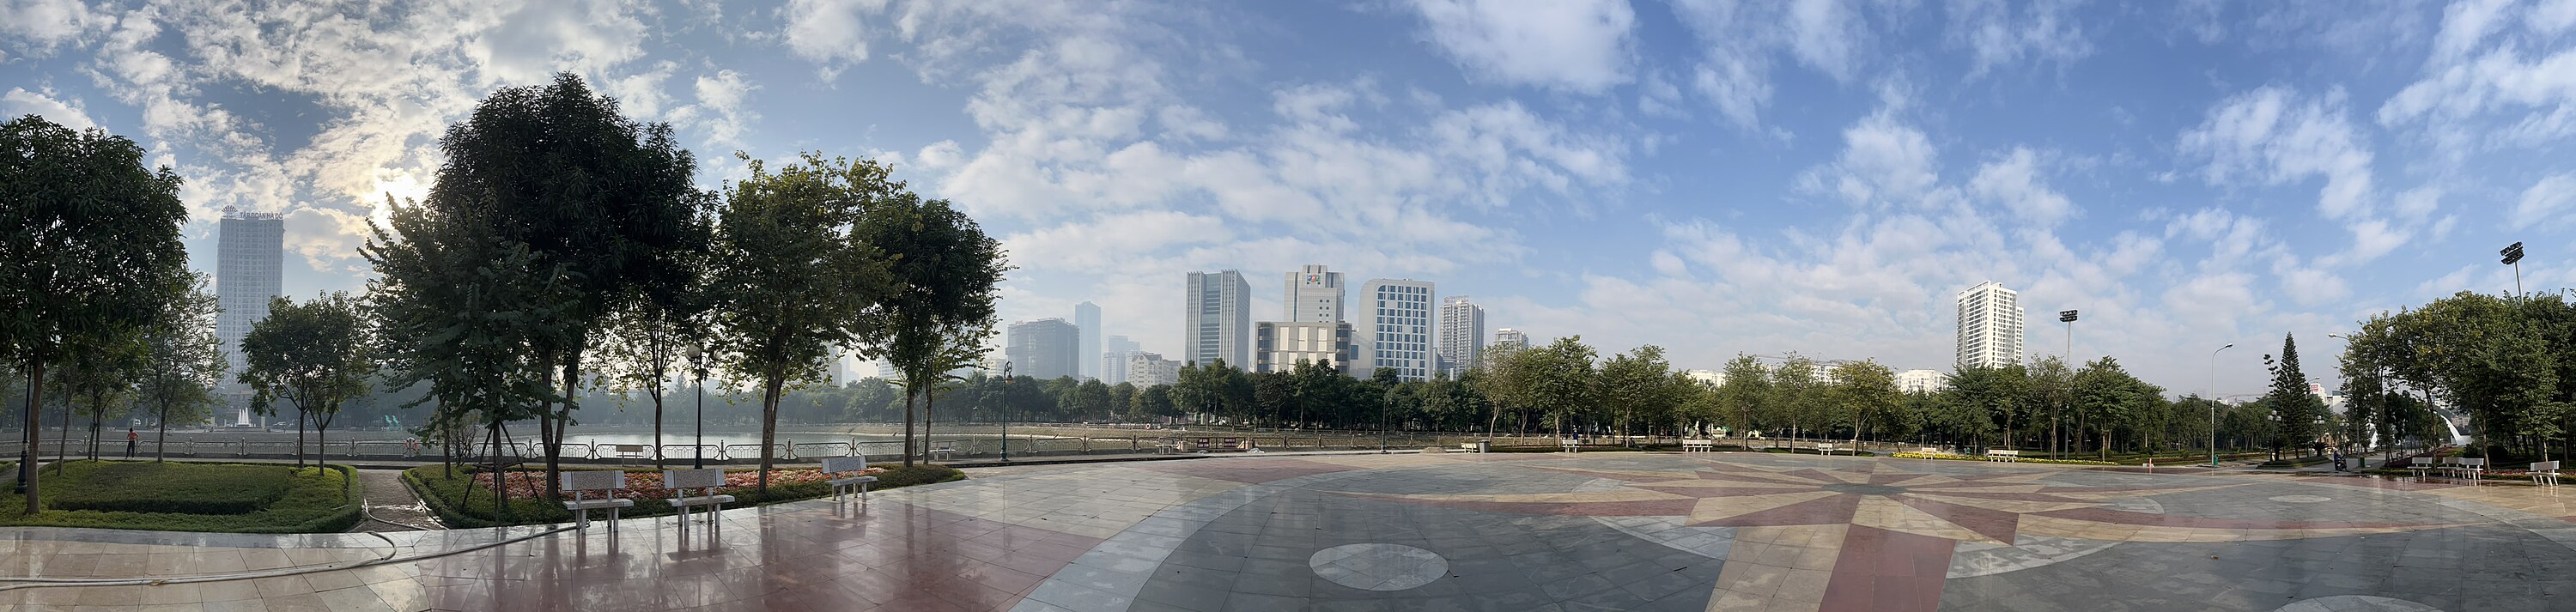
<point x="706" y="480"/>
<point x="584" y="483"/>
<point x="2472" y="468"/>
<point x="630" y="451"/>
<point x="2544" y="473"/>
<point x="1699" y="446"/>
<point x="2420" y="466"/>
<point x="856" y="463"/>
<point x="1571" y="445"/>
<point x="1826" y="448"/>
<point x="943" y="448"/>
<point x="1471" y="447"/>
<point x="2006" y="456"/>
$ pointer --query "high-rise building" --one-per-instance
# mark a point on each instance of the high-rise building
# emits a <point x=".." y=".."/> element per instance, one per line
<point x="1113" y="358"/>
<point x="1314" y="296"/>
<point x="1086" y="318"/>
<point x="1990" y="326"/>
<point x="1045" y="349"/>
<point x="1216" y="321"/>
<point x="1922" y="381"/>
<point x="1278" y="346"/>
<point x="1462" y="334"/>
<point x="1395" y="329"/>
<point x="1148" y="369"/>
<point x="1508" y="337"/>
<point x="249" y="249"/>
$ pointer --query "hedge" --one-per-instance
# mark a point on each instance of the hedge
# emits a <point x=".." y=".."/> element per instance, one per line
<point x="449" y="497"/>
<point x="316" y="500"/>
<point x="178" y="488"/>
<point x="2023" y="460"/>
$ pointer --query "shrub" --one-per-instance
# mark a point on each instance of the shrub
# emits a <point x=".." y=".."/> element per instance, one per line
<point x="465" y="500"/>
<point x="2023" y="460"/>
<point x="177" y="488"/>
<point x="317" y="500"/>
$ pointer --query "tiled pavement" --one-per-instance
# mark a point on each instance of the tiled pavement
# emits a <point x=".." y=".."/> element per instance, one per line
<point x="1602" y="531"/>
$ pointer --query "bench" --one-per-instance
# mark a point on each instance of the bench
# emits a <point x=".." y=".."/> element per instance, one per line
<point x="705" y="480"/>
<point x="943" y="448"/>
<point x="1571" y="445"/>
<point x="2544" y="473"/>
<point x="1166" y="446"/>
<point x="629" y="451"/>
<point x="2472" y="468"/>
<point x="1471" y="447"/>
<point x="2006" y="456"/>
<point x="2420" y="466"/>
<point x="836" y="465"/>
<point x="605" y="483"/>
<point x="1699" y="446"/>
<point x="1825" y="448"/>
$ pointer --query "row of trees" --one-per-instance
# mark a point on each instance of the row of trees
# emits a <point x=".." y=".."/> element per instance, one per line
<point x="2507" y="362"/>
<point x="562" y="247"/>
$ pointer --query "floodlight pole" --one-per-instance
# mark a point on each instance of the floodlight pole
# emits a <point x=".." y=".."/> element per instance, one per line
<point x="2213" y="404"/>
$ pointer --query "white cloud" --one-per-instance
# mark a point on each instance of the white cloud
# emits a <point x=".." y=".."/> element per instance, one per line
<point x="2014" y="181"/>
<point x="20" y="102"/>
<point x="832" y="33"/>
<point x="1884" y="163"/>
<point x="529" y="44"/>
<point x="2486" y="85"/>
<point x="1574" y="45"/>
<point x="48" y="23"/>
<point x="1739" y="39"/>
<point x="720" y="109"/>
<point x="2272" y="135"/>
<point x="2548" y="203"/>
<point x="2044" y="32"/>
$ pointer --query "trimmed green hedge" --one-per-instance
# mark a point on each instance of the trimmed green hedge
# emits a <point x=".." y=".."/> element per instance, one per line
<point x="315" y="500"/>
<point x="460" y="503"/>
<point x="178" y="488"/>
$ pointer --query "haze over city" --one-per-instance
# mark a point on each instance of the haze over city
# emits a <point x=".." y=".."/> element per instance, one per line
<point x="1717" y="179"/>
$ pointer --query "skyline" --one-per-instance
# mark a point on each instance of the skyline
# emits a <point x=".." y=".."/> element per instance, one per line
<point x="1640" y="172"/>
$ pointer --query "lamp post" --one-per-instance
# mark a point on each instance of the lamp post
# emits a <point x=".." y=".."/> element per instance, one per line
<point x="2213" y="404"/>
<point x="1006" y="412"/>
<point x="2513" y="257"/>
<point x="698" y="450"/>
<point x="2054" y="428"/>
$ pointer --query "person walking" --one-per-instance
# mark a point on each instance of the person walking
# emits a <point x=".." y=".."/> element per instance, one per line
<point x="131" y="439"/>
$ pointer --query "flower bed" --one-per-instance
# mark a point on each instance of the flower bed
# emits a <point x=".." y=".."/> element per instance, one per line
<point x="465" y="499"/>
<point x="648" y="484"/>
<point x="1972" y="458"/>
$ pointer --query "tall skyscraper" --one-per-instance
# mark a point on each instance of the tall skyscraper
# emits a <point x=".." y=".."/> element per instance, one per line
<point x="1314" y="295"/>
<point x="249" y="248"/>
<point x="1990" y="326"/>
<point x="1216" y="322"/>
<point x="1045" y="349"/>
<point x="1113" y="358"/>
<point x="1511" y="338"/>
<point x="1395" y="331"/>
<point x="1279" y="346"/>
<point x="1086" y="317"/>
<point x="1462" y="334"/>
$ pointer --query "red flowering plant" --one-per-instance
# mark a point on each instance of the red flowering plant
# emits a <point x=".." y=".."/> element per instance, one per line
<point x="648" y="484"/>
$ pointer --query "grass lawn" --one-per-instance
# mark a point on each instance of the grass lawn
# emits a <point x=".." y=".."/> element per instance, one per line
<point x="178" y="496"/>
<point x="464" y="499"/>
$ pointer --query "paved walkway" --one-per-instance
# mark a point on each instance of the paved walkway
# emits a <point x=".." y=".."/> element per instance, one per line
<point x="1598" y="531"/>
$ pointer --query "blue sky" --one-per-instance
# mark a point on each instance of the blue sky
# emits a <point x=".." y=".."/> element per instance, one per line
<point x="1714" y="177"/>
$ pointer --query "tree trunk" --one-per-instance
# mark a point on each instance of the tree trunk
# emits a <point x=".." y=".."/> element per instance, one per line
<point x="27" y="452"/>
<point x="563" y="422"/>
<point x="300" y="417"/>
<point x="161" y="435"/>
<point x="63" y="445"/>
<point x="657" y="425"/>
<point x="97" y="417"/>
<point x="907" y="425"/>
<point x="927" y="401"/>
<point x="768" y="428"/>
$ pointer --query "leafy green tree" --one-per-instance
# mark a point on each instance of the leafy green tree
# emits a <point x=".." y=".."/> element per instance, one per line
<point x="183" y="363"/>
<point x="89" y="236"/>
<point x="608" y="199"/>
<point x="2295" y="409"/>
<point x="1562" y="387"/>
<point x="794" y="279"/>
<point x="652" y="325"/>
<point x="1745" y="395"/>
<point x="945" y="277"/>
<point x="1866" y="394"/>
<point x="1797" y="395"/>
<point x="1638" y="388"/>
<point x="1985" y="401"/>
<point x="316" y="355"/>
<point x="2051" y="384"/>
<point x="1506" y="381"/>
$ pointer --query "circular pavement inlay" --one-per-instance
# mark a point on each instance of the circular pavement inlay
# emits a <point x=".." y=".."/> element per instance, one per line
<point x="2355" y="603"/>
<point x="1378" y="567"/>
<point x="2301" y="499"/>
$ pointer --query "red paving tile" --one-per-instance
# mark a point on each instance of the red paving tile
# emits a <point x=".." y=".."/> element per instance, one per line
<point x="1888" y="571"/>
<point x="1991" y="523"/>
<point x="1250" y="472"/>
<point x="1833" y="510"/>
<point x="2105" y="515"/>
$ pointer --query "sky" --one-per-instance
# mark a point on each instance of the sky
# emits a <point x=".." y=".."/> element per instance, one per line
<point x="1715" y="177"/>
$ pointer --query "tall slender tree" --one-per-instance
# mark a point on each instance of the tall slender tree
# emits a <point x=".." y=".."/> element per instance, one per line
<point x="89" y="236"/>
<point x="2295" y="409"/>
<point x="945" y="275"/>
<point x="317" y="355"/>
<point x="182" y="362"/>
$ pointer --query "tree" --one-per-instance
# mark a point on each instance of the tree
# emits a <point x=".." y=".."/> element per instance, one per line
<point x="945" y="277"/>
<point x="1562" y="387"/>
<point x="1745" y="394"/>
<point x="88" y="238"/>
<point x="1866" y="393"/>
<point x="1638" y="385"/>
<point x="1506" y="380"/>
<point x="2051" y="385"/>
<point x="605" y="199"/>
<point x="2295" y="409"/>
<point x="315" y="355"/>
<point x="182" y="362"/>
<point x="1797" y="394"/>
<point x="793" y="278"/>
<point x="654" y="323"/>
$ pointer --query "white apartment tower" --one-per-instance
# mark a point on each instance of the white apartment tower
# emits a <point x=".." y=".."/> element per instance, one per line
<point x="1462" y="334"/>
<point x="1216" y="323"/>
<point x="1086" y="319"/>
<point x="1990" y="326"/>
<point x="1314" y="295"/>
<point x="1511" y="338"/>
<point x="1395" y="329"/>
<point x="249" y="248"/>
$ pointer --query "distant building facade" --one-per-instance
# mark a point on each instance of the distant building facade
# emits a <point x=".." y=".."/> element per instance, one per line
<point x="1990" y="326"/>
<point x="1922" y="381"/>
<point x="1216" y="322"/>
<point x="250" y="247"/>
<point x="1314" y="295"/>
<point x="1395" y="329"/>
<point x="1113" y="358"/>
<point x="1711" y="378"/>
<point x="1148" y="369"/>
<point x="1044" y="349"/>
<point x="1278" y="346"/>
<point x="1086" y="320"/>
<point x="1513" y="338"/>
<point x="1462" y="334"/>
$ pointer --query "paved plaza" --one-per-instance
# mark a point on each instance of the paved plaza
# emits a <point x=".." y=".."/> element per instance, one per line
<point x="1597" y="531"/>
